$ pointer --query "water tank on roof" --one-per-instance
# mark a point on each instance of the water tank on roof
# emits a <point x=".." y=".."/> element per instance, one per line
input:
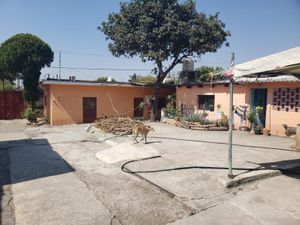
<point x="169" y="80"/>
<point x="188" y="64"/>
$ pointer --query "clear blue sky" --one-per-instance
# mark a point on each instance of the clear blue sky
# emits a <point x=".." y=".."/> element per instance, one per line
<point x="258" y="28"/>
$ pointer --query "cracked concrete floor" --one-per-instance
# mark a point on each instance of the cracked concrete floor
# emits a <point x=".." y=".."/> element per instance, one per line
<point x="57" y="178"/>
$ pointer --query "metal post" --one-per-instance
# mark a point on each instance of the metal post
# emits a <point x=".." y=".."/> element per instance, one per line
<point x="59" y="77"/>
<point x="230" y="122"/>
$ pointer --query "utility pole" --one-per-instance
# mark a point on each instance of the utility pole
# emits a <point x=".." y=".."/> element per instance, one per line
<point x="231" y="82"/>
<point x="59" y="77"/>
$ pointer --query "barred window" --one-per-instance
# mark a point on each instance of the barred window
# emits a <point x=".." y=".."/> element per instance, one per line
<point x="206" y="102"/>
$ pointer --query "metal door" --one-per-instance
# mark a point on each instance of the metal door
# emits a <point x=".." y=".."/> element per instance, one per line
<point x="89" y="109"/>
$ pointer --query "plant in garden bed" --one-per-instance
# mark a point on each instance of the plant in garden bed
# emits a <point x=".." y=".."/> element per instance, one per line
<point x="258" y="125"/>
<point x="30" y="114"/>
<point x="170" y="109"/>
<point x="253" y="118"/>
<point x="199" y="118"/>
<point x="224" y="121"/>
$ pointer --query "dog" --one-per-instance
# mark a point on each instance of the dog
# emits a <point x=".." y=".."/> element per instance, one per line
<point x="289" y="131"/>
<point x="143" y="130"/>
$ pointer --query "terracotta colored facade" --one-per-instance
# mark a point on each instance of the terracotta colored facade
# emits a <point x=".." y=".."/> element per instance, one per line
<point x="187" y="98"/>
<point x="63" y="103"/>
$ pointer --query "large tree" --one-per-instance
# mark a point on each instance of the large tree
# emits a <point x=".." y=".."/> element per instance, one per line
<point x="26" y="54"/>
<point x="162" y="31"/>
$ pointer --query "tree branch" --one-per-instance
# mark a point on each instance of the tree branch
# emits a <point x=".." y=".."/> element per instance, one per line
<point x="175" y="62"/>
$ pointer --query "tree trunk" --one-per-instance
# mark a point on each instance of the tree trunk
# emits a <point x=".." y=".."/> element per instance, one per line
<point x="155" y="102"/>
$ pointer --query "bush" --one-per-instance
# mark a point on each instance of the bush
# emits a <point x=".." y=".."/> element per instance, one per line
<point x="171" y="106"/>
<point x="199" y="118"/>
<point x="30" y="114"/>
<point x="251" y="117"/>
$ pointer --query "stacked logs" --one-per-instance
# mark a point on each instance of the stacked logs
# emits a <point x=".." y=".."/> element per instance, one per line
<point x="116" y="125"/>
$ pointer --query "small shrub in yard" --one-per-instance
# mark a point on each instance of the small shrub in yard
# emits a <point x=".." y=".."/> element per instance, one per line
<point x="199" y="118"/>
<point x="170" y="109"/>
<point x="30" y="114"/>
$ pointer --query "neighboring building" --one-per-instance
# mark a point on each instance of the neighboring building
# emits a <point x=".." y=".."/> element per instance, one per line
<point x="74" y="101"/>
<point x="272" y="82"/>
<point x="279" y="96"/>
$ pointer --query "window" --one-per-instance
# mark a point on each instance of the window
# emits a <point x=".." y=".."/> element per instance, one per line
<point x="206" y="102"/>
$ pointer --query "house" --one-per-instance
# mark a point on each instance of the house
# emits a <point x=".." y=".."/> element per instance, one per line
<point x="78" y="101"/>
<point x="279" y="95"/>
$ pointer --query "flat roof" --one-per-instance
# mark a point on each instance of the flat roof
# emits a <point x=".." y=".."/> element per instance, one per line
<point x="249" y="80"/>
<point x="51" y="81"/>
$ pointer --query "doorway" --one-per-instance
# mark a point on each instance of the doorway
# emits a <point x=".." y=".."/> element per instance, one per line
<point x="259" y="98"/>
<point x="138" y="111"/>
<point x="89" y="109"/>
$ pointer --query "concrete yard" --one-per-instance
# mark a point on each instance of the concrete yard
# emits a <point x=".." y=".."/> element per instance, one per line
<point x="65" y="175"/>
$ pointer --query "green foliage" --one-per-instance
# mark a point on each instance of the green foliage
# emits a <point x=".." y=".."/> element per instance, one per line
<point x="148" y="79"/>
<point x="223" y="122"/>
<point x="171" y="106"/>
<point x="159" y="29"/>
<point x="26" y="54"/>
<point x="4" y="74"/>
<point x="30" y="114"/>
<point x="149" y="99"/>
<point x="7" y="85"/>
<point x="203" y="73"/>
<point x="251" y="117"/>
<point x="162" y="31"/>
<point x="105" y="79"/>
<point x="259" y="109"/>
<point x="199" y="118"/>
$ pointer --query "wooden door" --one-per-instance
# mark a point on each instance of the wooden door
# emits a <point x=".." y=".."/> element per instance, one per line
<point x="138" y="111"/>
<point x="89" y="109"/>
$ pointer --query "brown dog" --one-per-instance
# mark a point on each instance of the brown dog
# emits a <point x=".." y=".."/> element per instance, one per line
<point x="143" y="130"/>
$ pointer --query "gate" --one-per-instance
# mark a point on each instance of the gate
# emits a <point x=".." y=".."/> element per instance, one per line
<point x="11" y="105"/>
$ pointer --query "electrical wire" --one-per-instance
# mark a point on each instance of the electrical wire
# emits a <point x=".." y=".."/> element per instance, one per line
<point x="99" y="68"/>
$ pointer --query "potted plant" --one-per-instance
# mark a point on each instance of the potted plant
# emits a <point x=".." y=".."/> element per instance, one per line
<point x="251" y="119"/>
<point x="258" y="127"/>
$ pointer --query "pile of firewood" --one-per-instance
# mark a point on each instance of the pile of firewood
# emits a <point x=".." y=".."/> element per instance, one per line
<point x="116" y="125"/>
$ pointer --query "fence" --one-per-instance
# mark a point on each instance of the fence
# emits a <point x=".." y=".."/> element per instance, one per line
<point x="11" y="104"/>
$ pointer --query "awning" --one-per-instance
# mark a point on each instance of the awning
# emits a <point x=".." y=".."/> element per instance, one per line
<point x="286" y="62"/>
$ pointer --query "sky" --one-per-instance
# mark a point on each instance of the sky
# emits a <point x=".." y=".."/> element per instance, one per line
<point x="258" y="28"/>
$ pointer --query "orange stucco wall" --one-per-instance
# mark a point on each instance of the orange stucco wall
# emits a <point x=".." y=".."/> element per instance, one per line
<point x="188" y="97"/>
<point x="64" y="102"/>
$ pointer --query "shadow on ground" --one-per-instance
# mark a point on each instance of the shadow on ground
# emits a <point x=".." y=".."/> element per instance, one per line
<point x="289" y="168"/>
<point x="25" y="160"/>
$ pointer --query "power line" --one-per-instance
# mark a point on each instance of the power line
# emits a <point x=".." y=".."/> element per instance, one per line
<point x="99" y="68"/>
<point x="83" y="53"/>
